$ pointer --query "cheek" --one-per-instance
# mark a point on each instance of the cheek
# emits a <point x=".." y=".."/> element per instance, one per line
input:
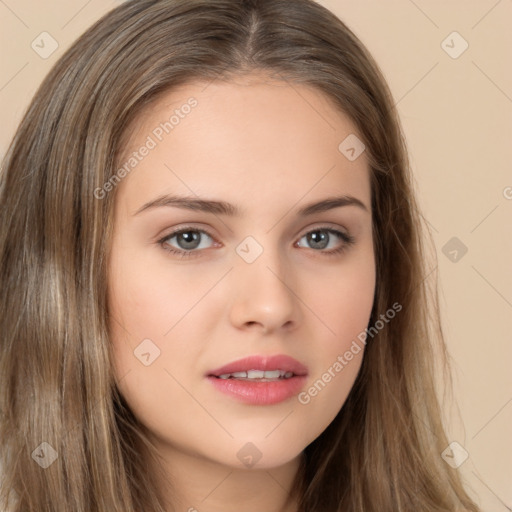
<point x="344" y="308"/>
<point x="145" y="309"/>
<point x="344" y="303"/>
<point x="154" y="311"/>
<point x="146" y="301"/>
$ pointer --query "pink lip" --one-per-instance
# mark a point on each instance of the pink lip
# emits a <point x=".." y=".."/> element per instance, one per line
<point x="260" y="392"/>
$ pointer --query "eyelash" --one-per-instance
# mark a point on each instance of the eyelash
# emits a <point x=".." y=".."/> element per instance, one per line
<point x="348" y="240"/>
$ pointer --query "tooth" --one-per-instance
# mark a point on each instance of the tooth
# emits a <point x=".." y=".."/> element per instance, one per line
<point x="258" y="374"/>
<point x="255" y="374"/>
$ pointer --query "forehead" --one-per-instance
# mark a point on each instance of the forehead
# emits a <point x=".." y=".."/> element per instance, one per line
<point x="246" y="139"/>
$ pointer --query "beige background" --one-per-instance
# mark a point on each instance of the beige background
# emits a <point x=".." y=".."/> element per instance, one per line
<point x="457" y="115"/>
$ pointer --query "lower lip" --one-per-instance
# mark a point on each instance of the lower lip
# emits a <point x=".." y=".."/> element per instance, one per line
<point x="258" y="392"/>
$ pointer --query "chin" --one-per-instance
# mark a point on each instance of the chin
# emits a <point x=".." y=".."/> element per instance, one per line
<point x="254" y="453"/>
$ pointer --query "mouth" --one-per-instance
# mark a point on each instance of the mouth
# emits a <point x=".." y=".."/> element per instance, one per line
<point x="260" y="380"/>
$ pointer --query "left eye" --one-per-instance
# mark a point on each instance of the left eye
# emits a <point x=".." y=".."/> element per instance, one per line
<point x="320" y="238"/>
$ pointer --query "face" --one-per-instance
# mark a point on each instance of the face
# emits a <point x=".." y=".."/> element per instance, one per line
<point x="196" y="286"/>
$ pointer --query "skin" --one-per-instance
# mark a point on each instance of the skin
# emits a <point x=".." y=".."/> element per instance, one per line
<point x="268" y="148"/>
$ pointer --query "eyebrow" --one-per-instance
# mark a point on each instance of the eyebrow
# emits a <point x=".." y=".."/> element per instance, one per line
<point x="224" y="208"/>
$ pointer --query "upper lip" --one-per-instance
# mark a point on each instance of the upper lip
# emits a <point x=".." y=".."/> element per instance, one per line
<point x="264" y="363"/>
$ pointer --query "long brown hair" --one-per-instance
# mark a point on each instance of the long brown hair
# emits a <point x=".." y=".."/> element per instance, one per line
<point x="59" y="401"/>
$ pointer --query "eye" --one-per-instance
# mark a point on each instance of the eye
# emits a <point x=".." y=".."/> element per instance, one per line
<point x="321" y="237"/>
<point x="188" y="239"/>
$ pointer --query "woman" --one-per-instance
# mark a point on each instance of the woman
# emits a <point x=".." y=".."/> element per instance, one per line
<point x="263" y="369"/>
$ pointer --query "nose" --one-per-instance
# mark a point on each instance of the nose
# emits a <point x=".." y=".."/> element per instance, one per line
<point x="264" y="297"/>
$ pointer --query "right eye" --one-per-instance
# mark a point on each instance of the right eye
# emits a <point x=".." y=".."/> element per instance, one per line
<point x="188" y="240"/>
